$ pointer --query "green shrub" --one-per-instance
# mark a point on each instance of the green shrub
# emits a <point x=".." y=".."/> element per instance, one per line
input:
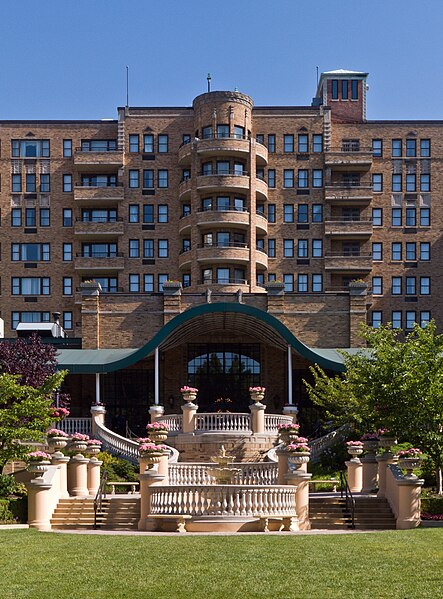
<point x="432" y="504"/>
<point x="6" y="516"/>
<point x="9" y="486"/>
<point x="118" y="469"/>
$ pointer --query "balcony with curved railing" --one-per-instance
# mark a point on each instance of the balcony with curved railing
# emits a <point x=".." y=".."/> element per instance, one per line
<point x="231" y="180"/>
<point x="184" y="189"/>
<point x="229" y="252"/>
<point x="185" y="224"/>
<point x="261" y="258"/>
<point x="261" y="188"/>
<point x="261" y="223"/>
<point x="185" y="258"/>
<point x="208" y="218"/>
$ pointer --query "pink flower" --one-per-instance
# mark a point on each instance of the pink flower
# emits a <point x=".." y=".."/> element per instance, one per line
<point x="187" y="389"/>
<point x="354" y="443"/>
<point x="298" y="447"/>
<point x="288" y="427"/>
<point x="369" y="437"/>
<point x="79" y="437"/>
<point x="94" y="442"/>
<point x="157" y="426"/>
<point x="38" y="456"/>
<point x="413" y="452"/>
<point x="55" y="432"/>
<point x="151" y="448"/>
<point x="257" y="389"/>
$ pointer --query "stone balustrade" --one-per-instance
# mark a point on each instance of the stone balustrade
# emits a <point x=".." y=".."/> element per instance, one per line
<point x="230" y="422"/>
<point x="251" y="473"/>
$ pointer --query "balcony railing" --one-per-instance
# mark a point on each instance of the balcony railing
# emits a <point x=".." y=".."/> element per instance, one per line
<point x="229" y="244"/>
<point x="230" y="172"/>
<point x="100" y="255"/>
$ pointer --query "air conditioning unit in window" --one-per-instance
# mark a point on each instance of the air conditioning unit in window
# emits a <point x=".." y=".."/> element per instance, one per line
<point x="16" y="201"/>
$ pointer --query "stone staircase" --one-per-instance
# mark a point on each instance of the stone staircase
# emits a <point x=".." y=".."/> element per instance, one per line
<point x="118" y="513"/>
<point x="371" y="513"/>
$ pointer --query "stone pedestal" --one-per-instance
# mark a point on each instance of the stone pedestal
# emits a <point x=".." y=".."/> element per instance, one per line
<point x="39" y="512"/>
<point x="283" y="466"/>
<point x="301" y="480"/>
<point x="78" y="476"/>
<point x="189" y="411"/>
<point x="258" y="417"/>
<point x="355" y="475"/>
<point x="370" y="473"/>
<point x="291" y="410"/>
<point x="409" y="491"/>
<point x="58" y="459"/>
<point x="93" y="476"/>
<point x="148" y="478"/>
<point x="163" y="468"/>
<point x="383" y="462"/>
<point x="156" y="412"/>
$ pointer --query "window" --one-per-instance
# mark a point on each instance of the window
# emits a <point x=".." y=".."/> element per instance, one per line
<point x="162" y="278"/>
<point x="425" y="251"/>
<point x="148" y="214"/>
<point x="425" y="217"/>
<point x="425" y="285"/>
<point x="148" y="143"/>
<point x="396" y="182"/>
<point x="186" y="209"/>
<point x="396" y="319"/>
<point x="16" y="217"/>
<point x="376" y="319"/>
<point x="425" y="182"/>
<point x="396" y="251"/>
<point x="411" y="148"/>
<point x="288" y="178"/>
<point x="67" y="285"/>
<point x="377" y="182"/>
<point x="186" y="174"/>
<point x="163" y="144"/>
<point x="303" y="143"/>
<point x="35" y="148"/>
<point x="99" y="181"/>
<point x="108" y="284"/>
<point x="30" y="286"/>
<point x="30" y="217"/>
<point x="148" y="248"/>
<point x="344" y="89"/>
<point x="99" y="145"/>
<point x="302" y="248"/>
<point x="134" y="143"/>
<point x="317" y="248"/>
<point x="288" y="248"/>
<point x="163" y="179"/>
<point x="411" y="252"/>
<point x="30" y="183"/>
<point x="99" y="250"/>
<point x="186" y="280"/>
<point x="67" y="148"/>
<point x="396" y="286"/>
<point x="271" y="213"/>
<point x="28" y="317"/>
<point x="67" y="183"/>
<point x="396" y="148"/>
<point x="411" y="182"/>
<point x="148" y="283"/>
<point x="260" y="138"/>
<point x="239" y="132"/>
<point x="396" y="217"/>
<point x="334" y="89"/>
<point x="162" y="213"/>
<point x="134" y="248"/>
<point x="411" y="220"/>
<point x="148" y="179"/>
<point x="303" y="178"/>
<point x="134" y="283"/>
<point x="410" y="319"/>
<point x="271" y="177"/>
<point x="45" y="183"/>
<point x="317" y="283"/>
<point x="411" y="287"/>
<point x="302" y="214"/>
<point x="425" y="148"/>
<point x="271" y="143"/>
<point x="222" y="131"/>
<point x="186" y="245"/>
<point x="317" y="143"/>
<point x="317" y="178"/>
<point x="67" y="320"/>
<point x="377" y="217"/>
<point x="377" y="148"/>
<point x="288" y="143"/>
<point x="377" y="251"/>
<point x="377" y="285"/>
<point x="163" y="248"/>
<point x="45" y="217"/>
<point x="288" y="281"/>
<point x="67" y="252"/>
<point x="354" y="89"/>
<point x="302" y="283"/>
<point x="134" y="213"/>
<point x="271" y="248"/>
<point x="317" y="213"/>
<point x="32" y="252"/>
<point x="16" y="183"/>
<point x="67" y="217"/>
<point x="133" y="179"/>
<point x="425" y="317"/>
<point x="288" y="213"/>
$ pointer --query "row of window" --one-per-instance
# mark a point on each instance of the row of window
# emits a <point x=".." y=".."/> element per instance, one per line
<point x="299" y="247"/>
<point x="401" y="320"/>
<point x="344" y="89"/>
<point x="36" y="316"/>
<point x="412" y="285"/>
<point x="410" y="148"/>
<point x="315" y="144"/>
<point x="397" y="182"/>
<point x="409" y="217"/>
<point x="409" y="251"/>
<point x="300" y="283"/>
<point x="149" y="178"/>
<point x="148" y="143"/>
<point x="302" y="178"/>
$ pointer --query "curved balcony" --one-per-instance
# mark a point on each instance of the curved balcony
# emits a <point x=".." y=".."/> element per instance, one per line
<point x="261" y="259"/>
<point x="223" y="182"/>
<point x="184" y="190"/>
<point x="208" y="218"/>
<point x="234" y="253"/>
<point x="185" y="259"/>
<point x="261" y="223"/>
<point x="99" y="263"/>
<point x="261" y="189"/>
<point x="105" y="228"/>
<point x="261" y="154"/>
<point x="185" y="224"/>
<point x="94" y="195"/>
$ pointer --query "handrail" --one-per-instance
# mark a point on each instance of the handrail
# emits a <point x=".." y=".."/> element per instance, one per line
<point x="99" y="219"/>
<point x="228" y="173"/>
<point x="349" y="148"/>
<point x="350" y="500"/>
<point x="224" y="244"/>
<point x="230" y="209"/>
<point x="101" y="493"/>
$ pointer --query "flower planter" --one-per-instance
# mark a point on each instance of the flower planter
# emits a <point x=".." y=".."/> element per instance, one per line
<point x="151" y="458"/>
<point x="189" y="397"/>
<point x="299" y="458"/>
<point x="78" y="446"/>
<point x="57" y="443"/>
<point x="158" y="436"/>
<point x="370" y="446"/>
<point x="38" y="467"/>
<point x="355" y="451"/>
<point x="409" y="464"/>
<point x="93" y="449"/>
<point x="257" y="397"/>
<point x="387" y="442"/>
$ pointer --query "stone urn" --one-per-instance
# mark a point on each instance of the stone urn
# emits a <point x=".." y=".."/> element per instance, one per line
<point x="151" y="457"/>
<point x="157" y="435"/>
<point x="93" y="448"/>
<point x="386" y="442"/>
<point x="38" y="467"/>
<point x="299" y="458"/>
<point x="370" y="446"/>
<point x="257" y="397"/>
<point x="409" y="464"/>
<point x="57" y="443"/>
<point x="355" y="450"/>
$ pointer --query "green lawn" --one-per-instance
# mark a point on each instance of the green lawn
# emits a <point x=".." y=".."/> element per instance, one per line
<point x="400" y="565"/>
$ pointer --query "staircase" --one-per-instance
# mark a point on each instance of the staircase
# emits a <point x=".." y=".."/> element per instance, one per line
<point x="371" y="513"/>
<point x="118" y="513"/>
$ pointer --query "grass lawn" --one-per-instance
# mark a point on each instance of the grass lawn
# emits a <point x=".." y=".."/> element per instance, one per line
<point x="400" y="565"/>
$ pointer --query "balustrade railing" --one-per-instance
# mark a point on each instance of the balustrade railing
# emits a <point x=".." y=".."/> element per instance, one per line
<point x="173" y="422"/>
<point x="251" y="473"/>
<point x="272" y="421"/>
<point x="221" y="422"/>
<point x="226" y="500"/>
<point x="76" y="425"/>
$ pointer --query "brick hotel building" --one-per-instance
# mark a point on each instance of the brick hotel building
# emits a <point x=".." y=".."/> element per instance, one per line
<point x="221" y="244"/>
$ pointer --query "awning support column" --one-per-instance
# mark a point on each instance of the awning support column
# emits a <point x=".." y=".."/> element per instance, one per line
<point x="156" y="379"/>
<point x="97" y="388"/>
<point x="289" y="375"/>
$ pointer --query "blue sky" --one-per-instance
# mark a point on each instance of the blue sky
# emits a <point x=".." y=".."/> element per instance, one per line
<point x="66" y="59"/>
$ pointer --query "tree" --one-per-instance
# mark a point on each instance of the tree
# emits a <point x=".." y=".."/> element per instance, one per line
<point x="29" y="384"/>
<point x="398" y="385"/>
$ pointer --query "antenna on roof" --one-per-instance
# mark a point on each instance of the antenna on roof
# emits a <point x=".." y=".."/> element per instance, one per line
<point x="208" y="78"/>
<point x="317" y="75"/>
<point x="127" y="86"/>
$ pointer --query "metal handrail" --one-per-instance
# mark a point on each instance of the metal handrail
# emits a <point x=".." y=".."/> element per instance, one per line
<point x="229" y="173"/>
<point x="348" y="185"/>
<point x="348" y="255"/>
<point x="350" y="499"/>
<point x="98" y="151"/>
<point x="229" y="244"/>
<point x="349" y="148"/>
<point x="101" y="494"/>
<point x="226" y="282"/>
<point x="100" y="255"/>
<point x="99" y="219"/>
<point x="83" y="186"/>
<point x="347" y="219"/>
<point x="230" y="209"/>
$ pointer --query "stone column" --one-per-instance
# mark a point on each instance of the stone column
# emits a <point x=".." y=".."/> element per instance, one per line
<point x="189" y="411"/>
<point x="258" y="417"/>
<point x="148" y="477"/>
<point x="156" y="412"/>
<point x="39" y="505"/>
<point x="93" y="476"/>
<point x="291" y="410"/>
<point x="383" y="462"/>
<point x="283" y="466"/>
<point x="58" y="459"/>
<point x="163" y="468"/>
<point x="370" y="471"/>
<point x="409" y="491"/>
<point x="90" y="310"/>
<point x="99" y="413"/>
<point x="355" y="475"/>
<point x="78" y="476"/>
<point x="301" y="480"/>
